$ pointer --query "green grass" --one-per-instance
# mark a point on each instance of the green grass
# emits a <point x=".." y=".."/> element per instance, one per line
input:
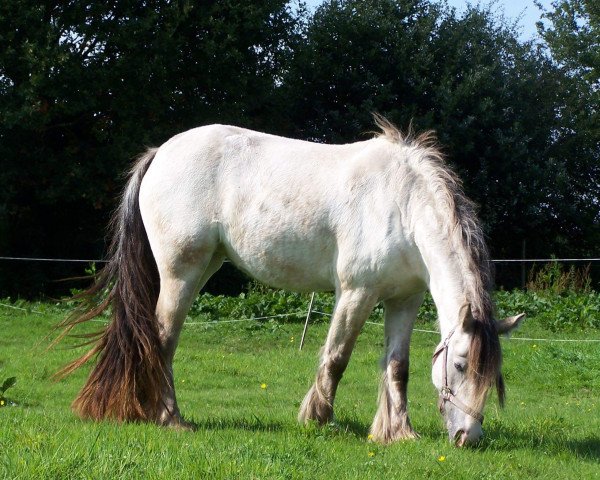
<point x="550" y="428"/>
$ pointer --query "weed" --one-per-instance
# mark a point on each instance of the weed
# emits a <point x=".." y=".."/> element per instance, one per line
<point x="553" y="278"/>
<point x="9" y="382"/>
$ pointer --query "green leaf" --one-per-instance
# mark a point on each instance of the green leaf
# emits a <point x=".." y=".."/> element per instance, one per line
<point x="9" y="382"/>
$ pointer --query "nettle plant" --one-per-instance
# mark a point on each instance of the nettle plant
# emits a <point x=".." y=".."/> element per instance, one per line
<point x="9" y="382"/>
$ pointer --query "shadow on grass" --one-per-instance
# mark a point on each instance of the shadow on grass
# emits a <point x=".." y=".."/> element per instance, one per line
<point x="588" y="448"/>
<point x="353" y="427"/>
<point x="256" y="424"/>
<point x="497" y="437"/>
<point x="502" y="438"/>
<point x="253" y="424"/>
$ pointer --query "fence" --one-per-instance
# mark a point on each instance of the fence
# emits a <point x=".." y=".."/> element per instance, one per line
<point x="509" y="273"/>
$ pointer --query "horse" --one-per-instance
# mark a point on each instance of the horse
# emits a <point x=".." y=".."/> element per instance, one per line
<point x="380" y="220"/>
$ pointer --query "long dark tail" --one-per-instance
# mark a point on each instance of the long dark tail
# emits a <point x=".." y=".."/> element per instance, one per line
<point x="128" y="379"/>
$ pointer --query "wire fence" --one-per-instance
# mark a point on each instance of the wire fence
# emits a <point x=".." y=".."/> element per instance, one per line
<point x="509" y="272"/>
<point x="310" y="310"/>
<point x="215" y="323"/>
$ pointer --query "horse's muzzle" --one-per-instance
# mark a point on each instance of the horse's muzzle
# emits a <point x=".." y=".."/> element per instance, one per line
<point x="469" y="437"/>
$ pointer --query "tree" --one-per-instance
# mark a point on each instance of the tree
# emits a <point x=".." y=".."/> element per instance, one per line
<point x="359" y="57"/>
<point x="494" y="104"/>
<point x="492" y="100"/>
<point x="85" y="86"/>
<point x="573" y="38"/>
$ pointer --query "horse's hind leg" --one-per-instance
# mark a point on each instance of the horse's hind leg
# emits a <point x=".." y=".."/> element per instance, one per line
<point x="350" y="313"/>
<point x="391" y="421"/>
<point x="178" y="289"/>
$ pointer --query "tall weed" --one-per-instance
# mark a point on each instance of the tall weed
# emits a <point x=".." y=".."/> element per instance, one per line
<point x="553" y="278"/>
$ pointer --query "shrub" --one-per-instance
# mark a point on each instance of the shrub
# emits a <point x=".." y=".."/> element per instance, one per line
<point x="553" y="278"/>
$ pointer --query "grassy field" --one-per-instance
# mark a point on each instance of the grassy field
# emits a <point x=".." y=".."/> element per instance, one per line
<point x="242" y="384"/>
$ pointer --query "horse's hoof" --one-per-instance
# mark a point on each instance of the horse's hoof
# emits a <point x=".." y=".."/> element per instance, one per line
<point x="176" y="422"/>
<point x="182" y="426"/>
<point x="397" y="436"/>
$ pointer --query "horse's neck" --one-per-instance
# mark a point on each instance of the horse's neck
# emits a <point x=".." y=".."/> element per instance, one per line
<point x="448" y="277"/>
<point x="448" y="290"/>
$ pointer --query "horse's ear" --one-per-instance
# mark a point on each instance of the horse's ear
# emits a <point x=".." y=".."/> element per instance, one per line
<point x="465" y="317"/>
<point x="509" y="323"/>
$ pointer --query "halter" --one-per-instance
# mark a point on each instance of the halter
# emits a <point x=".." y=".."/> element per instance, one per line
<point x="446" y="394"/>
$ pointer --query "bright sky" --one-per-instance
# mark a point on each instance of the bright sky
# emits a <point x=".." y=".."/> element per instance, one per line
<point x="525" y="11"/>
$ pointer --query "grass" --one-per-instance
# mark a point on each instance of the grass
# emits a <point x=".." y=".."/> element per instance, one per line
<point x="549" y="429"/>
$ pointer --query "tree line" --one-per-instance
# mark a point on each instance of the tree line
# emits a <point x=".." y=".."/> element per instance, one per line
<point x="85" y="86"/>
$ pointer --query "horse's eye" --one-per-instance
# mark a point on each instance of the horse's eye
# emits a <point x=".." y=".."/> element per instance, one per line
<point x="459" y="367"/>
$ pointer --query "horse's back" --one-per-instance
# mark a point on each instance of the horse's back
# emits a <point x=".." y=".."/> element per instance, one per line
<point x="289" y="212"/>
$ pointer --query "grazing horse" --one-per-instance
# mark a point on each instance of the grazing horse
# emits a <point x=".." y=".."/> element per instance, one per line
<point x="381" y="220"/>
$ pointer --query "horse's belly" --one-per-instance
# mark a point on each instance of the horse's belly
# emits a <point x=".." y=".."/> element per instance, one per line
<point x="282" y="250"/>
<point x="280" y="261"/>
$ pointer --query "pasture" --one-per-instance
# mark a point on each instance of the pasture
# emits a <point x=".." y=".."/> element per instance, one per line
<point x="241" y="383"/>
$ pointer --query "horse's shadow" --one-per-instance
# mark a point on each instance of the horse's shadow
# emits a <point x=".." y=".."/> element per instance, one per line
<point x="497" y="438"/>
<point x="587" y="448"/>
<point x="253" y="424"/>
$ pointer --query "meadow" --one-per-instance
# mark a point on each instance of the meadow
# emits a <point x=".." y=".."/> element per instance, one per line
<point x="241" y="383"/>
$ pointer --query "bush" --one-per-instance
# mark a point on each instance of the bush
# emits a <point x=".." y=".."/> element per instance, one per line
<point x="570" y="311"/>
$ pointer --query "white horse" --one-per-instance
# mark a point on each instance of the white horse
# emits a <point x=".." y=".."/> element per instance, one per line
<point x="377" y="221"/>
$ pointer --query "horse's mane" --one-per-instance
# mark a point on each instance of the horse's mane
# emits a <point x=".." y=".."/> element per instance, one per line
<point x="467" y="241"/>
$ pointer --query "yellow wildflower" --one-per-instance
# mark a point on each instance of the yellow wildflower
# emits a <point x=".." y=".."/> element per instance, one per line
<point x="370" y="436"/>
<point x="2" y="403"/>
<point x="441" y="458"/>
<point x="371" y="454"/>
<point x="263" y="386"/>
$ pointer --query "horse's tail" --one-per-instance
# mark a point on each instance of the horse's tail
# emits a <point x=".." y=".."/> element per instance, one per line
<point x="128" y="379"/>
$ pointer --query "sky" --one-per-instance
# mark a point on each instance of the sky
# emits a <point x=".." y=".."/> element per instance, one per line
<point x="525" y="11"/>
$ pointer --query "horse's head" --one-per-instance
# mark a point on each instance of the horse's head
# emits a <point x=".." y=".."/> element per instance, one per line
<point x="465" y="366"/>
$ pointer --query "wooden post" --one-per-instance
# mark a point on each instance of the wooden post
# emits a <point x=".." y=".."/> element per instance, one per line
<point x="310" y="305"/>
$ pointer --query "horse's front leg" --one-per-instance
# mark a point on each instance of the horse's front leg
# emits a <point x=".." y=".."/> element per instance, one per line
<point x="391" y="421"/>
<point x="350" y="313"/>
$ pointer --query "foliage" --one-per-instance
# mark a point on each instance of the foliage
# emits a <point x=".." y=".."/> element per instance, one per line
<point x="569" y="312"/>
<point x="574" y="36"/>
<point x="557" y="299"/>
<point x="554" y="279"/>
<point x="559" y="308"/>
<point x="256" y="303"/>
